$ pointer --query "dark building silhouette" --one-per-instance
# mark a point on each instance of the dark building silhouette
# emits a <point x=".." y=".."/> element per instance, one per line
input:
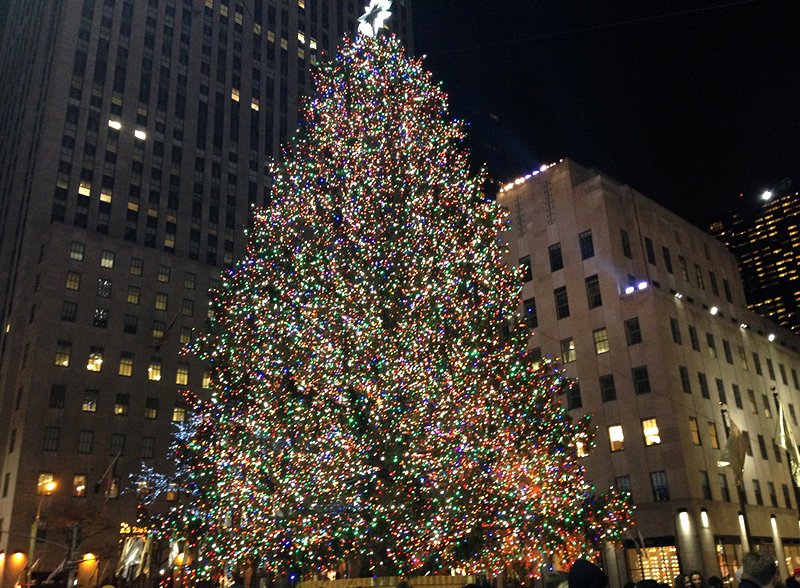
<point x="765" y="238"/>
<point x="137" y="136"/>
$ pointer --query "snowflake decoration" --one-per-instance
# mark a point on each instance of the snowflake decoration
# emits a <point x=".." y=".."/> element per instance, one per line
<point x="374" y="17"/>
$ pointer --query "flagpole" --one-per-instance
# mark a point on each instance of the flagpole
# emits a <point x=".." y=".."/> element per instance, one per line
<point x="739" y="486"/>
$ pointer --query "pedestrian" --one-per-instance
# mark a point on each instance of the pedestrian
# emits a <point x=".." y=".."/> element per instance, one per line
<point x="716" y="582"/>
<point x="697" y="579"/>
<point x="556" y="579"/>
<point x="584" y="574"/>
<point x="758" y="570"/>
<point x="683" y="581"/>
<point x="793" y="581"/>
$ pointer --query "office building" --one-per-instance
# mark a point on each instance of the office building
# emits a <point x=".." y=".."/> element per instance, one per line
<point x="764" y="235"/>
<point x="648" y="315"/>
<point x="137" y="136"/>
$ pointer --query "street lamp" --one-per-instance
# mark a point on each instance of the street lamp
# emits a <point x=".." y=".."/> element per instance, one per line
<point x="45" y="489"/>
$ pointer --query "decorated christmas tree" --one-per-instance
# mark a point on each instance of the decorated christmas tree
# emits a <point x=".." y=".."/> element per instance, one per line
<point x="372" y="397"/>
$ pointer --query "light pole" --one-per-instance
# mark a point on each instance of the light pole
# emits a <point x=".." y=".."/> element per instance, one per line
<point x="47" y="489"/>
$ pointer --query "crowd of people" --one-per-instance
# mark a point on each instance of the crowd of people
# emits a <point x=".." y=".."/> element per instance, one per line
<point x="758" y="570"/>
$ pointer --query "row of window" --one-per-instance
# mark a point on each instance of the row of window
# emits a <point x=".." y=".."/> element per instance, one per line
<point x="608" y="389"/>
<point x="100" y="317"/>
<point x="86" y="443"/>
<point x="561" y="300"/>
<point x="91" y="398"/>
<point x="711" y="345"/>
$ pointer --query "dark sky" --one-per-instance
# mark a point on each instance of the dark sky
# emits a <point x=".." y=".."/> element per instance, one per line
<point x="690" y="102"/>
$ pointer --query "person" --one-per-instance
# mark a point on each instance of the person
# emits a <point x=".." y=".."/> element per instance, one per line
<point x="697" y="579"/>
<point x="556" y="580"/>
<point x="647" y="583"/>
<point x="758" y="570"/>
<point x="716" y="582"/>
<point x="793" y="581"/>
<point x="584" y="574"/>
<point x="683" y="581"/>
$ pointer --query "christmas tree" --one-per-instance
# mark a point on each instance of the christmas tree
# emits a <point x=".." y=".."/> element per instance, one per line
<point x="373" y="399"/>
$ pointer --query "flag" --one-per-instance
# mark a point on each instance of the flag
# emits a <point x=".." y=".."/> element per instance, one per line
<point x="785" y="439"/>
<point x="734" y="453"/>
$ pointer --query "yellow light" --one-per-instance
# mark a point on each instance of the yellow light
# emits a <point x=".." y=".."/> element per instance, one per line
<point x="89" y="557"/>
<point x="17" y="557"/>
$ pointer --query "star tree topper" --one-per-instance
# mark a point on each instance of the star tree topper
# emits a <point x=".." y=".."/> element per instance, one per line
<point x="374" y="17"/>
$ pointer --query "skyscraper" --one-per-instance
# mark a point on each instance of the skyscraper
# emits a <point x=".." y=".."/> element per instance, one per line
<point x="764" y="235"/>
<point x="648" y="316"/>
<point x="137" y="137"/>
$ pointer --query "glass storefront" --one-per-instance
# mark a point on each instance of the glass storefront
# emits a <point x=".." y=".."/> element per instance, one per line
<point x="652" y="563"/>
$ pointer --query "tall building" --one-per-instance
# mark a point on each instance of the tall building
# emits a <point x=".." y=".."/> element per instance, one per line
<point x="649" y="317"/>
<point x="136" y="138"/>
<point x="765" y="238"/>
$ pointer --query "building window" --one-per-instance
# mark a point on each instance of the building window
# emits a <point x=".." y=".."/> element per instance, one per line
<point x="593" y="296"/>
<point x="791" y="414"/>
<point x="133" y="294"/>
<point x="757" y="493"/>
<point x="685" y="383"/>
<point x="45" y="484"/>
<point x="641" y="381"/>
<point x="556" y="259"/>
<point x="69" y="310"/>
<point x="786" y="497"/>
<point x="737" y="395"/>
<point x="659" y="485"/>
<point x="712" y="345"/>
<point x="126" y="364"/>
<point x="79" y="485"/>
<point x="748" y="445"/>
<point x="701" y="378"/>
<point x="63" y="351"/>
<point x="600" y="340"/>
<point x="187" y="307"/>
<point x="531" y="319"/>
<point x="770" y="369"/>
<point x="633" y="333"/>
<point x="782" y="370"/>
<point x="723" y="488"/>
<point x="182" y="375"/>
<point x="151" y="408"/>
<point x="726" y="349"/>
<point x="667" y="259"/>
<point x="51" y="438"/>
<point x="693" y="338"/>
<point x="721" y="391"/>
<point x="121" y="404"/>
<point x="131" y="324"/>
<point x="148" y="447"/>
<point x="136" y="266"/>
<point x="676" y="331"/>
<point x="562" y="302"/>
<point x="117" y="445"/>
<point x="705" y="485"/>
<point x="154" y="369"/>
<point x="90" y="398"/>
<point x="100" y="318"/>
<point x="190" y="280"/>
<point x="568" y="350"/>
<point x="626" y="244"/>
<point x="608" y="390"/>
<point x="103" y="288"/>
<point x="694" y="431"/>
<point x="58" y="393"/>
<point x="85" y="442"/>
<point x="525" y="268"/>
<point x="757" y="363"/>
<point x="762" y="446"/>
<point x="95" y="361"/>
<point x="795" y="380"/>
<point x="574" y="396"/>
<point x="712" y="434"/>
<point x="767" y="410"/>
<point x="751" y="398"/>
<point x="698" y="277"/>
<point x="161" y="301"/>
<point x="650" y="431"/>
<point x="650" y="251"/>
<point x="73" y="281"/>
<point x="77" y="250"/>
<point x="107" y="259"/>
<point x="713" y="279"/>
<point x="163" y="273"/>
<point x="586" y="244"/>
<point x="179" y="412"/>
<point x="742" y="357"/>
<point x="206" y="383"/>
<point x="684" y="268"/>
<point x="623" y="484"/>
<point x="616" y="438"/>
<point x="727" y="287"/>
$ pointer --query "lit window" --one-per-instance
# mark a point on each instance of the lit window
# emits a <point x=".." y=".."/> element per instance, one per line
<point x="107" y="259"/>
<point x="73" y="281"/>
<point x="136" y="266"/>
<point x="694" y="431"/>
<point x="581" y="445"/>
<point x="158" y="329"/>
<point x="90" y="400"/>
<point x="140" y="134"/>
<point x="85" y="189"/>
<point x="79" y="485"/>
<point x="154" y="370"/>
<point x="568" y="350"/>
<point x="95" y="362"/>
<point x="126" y="365"/>
<point x="185" y="335"/>
<point x="121" y="404"/>
<point x="179" y="412"/>
<point x="77" y="250"/>
<point x="254" y="104"/>
<point x="151" y="408"/>
<point x="133" y="294"/>
<point x="182" y="375"/>
<point x="616" y="438"/>
<point x="206" y="380"/>
<point x="161" y="301"/>
<point x="600" y="340"/>
<point x="163" y="273"/>
<point x="105" y="196"/>
<point x="650" y="431"/>
<point x="712" y="433"/>
<point x="63" y="351"/>
<point x="115" y="124"/>
<point x="235" y="95"/>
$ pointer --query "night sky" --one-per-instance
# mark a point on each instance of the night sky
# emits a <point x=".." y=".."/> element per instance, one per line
<point x="690" y="102"/>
